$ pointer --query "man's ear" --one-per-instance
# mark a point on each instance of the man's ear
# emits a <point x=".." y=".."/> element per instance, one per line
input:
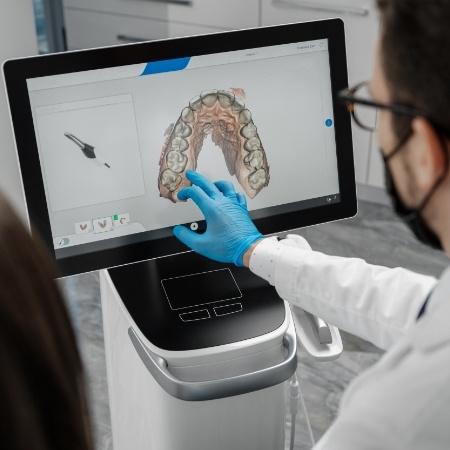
<point x="427" y="151"/>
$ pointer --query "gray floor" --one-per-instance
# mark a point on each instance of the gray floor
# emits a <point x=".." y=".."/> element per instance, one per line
<point x="375" y="234"/>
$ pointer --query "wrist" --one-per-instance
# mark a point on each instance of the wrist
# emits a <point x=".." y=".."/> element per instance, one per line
<point x="247" y="255"/>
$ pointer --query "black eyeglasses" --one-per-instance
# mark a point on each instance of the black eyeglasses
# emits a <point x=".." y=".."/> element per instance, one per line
<point x="365" y="111"/>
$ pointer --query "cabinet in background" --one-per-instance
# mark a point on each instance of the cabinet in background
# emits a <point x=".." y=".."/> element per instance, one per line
<point x="95" y="23"/>
<point x="110" y="29"/>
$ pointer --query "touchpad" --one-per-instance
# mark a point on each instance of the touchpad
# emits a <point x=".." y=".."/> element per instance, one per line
<point x="201" y="288"/>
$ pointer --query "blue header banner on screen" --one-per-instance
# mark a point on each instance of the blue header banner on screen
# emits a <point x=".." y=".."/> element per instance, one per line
<point x="168" y="65"/>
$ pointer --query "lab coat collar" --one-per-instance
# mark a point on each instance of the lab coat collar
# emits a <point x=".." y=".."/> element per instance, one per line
<point x="433" y="328"/>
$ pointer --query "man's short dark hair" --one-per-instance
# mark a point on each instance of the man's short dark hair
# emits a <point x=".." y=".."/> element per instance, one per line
<point x="415" y="45"/>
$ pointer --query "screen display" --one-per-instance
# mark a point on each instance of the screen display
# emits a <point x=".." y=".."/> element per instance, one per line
<point x="114" y="144"/>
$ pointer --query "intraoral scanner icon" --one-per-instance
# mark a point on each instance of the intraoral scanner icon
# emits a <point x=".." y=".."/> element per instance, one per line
<point x="88" y="150"/>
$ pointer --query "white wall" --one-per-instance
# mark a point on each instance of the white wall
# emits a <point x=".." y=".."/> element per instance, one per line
<point x="17" y="38"/>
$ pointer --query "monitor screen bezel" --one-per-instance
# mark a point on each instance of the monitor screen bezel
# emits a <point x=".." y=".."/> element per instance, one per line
<point x="17" y="71"/>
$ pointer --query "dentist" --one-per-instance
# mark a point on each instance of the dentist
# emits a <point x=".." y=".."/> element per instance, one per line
<point x="403" y="401"/>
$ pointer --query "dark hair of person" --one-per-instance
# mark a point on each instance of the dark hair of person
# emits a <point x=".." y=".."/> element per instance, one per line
<point x="414" y="54"/>
<point x="42" y="398"/>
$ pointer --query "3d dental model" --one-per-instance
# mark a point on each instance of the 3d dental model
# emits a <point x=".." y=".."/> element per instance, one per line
<point x="88" y="150"/>
<point x="223" y="114"/>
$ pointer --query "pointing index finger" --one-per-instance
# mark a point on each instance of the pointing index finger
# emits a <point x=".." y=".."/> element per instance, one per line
<point x="226" y="187"/>
<point x="199" y="197"/>
<point x="204" y="183"/>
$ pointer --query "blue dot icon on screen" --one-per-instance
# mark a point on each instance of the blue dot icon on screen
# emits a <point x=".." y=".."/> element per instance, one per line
<point x="328" y="122"/>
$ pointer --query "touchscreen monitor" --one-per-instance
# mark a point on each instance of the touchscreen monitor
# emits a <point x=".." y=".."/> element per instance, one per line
<point x="105" y="136"/>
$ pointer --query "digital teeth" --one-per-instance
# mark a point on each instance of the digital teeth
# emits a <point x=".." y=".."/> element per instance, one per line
<point x="179" y="144"/>
<point x="226" y="99"/>
<point x="248" y="131"/>
<point x="255" y="159"/>
<point x="245" y="117"/>
<point x="258" y="179"/>
<point x="176" y="161"/>
<point x="170" y="180"/>
<point x="237" y="106"/>
<point x="187" y="115"/>
<point x="252" y="144"/>
<point x="223" y="115"/>
<point x="182" y="130"/>
<point x="209" y="97"/>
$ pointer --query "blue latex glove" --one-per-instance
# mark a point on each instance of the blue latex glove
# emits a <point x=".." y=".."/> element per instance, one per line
<point x="229" y="229"/>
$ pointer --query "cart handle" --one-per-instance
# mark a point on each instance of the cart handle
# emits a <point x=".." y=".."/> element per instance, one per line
<point x="226" y="387"/>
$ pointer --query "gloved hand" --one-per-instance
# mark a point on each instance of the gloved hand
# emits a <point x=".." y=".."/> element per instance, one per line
<point x="229" y="229"/>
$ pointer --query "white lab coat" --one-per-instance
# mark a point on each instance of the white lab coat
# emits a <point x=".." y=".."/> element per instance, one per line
<point x="402" y="401"/>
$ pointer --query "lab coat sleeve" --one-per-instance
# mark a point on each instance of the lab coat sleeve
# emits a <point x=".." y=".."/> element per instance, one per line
<point x="373" y="302"/>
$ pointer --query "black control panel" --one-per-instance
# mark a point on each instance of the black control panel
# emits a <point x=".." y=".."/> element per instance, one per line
<point x="187" y="302"/>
